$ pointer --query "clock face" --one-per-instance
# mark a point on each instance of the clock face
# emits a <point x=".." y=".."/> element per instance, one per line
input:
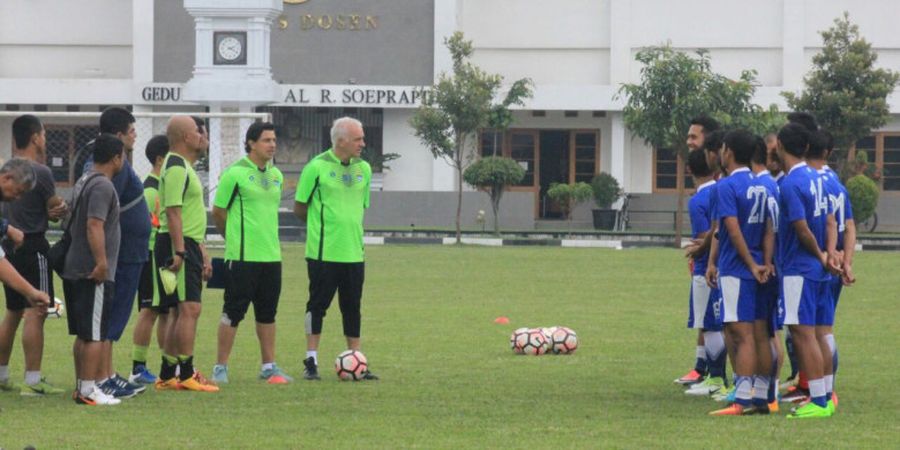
<point x="230" y="48"/>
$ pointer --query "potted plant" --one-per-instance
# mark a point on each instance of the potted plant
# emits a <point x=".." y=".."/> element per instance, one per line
<point x="606" y="192"/>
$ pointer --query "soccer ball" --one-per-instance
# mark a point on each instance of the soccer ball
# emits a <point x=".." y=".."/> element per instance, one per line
<point x="564" y="341"/>
<point x="351" y="365"/>
<point x="520" y="335"/>
<point x="56" y="309"/>
<point x="548" y="337"/>
<point x="531" y="342"/>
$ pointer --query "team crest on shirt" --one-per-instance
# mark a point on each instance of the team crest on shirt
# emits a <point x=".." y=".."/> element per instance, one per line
<point x="332" y="174"/>
<point x="359" y="178"/>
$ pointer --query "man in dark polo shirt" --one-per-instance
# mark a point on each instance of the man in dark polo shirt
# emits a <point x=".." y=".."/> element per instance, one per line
<point x="29" y="214"/>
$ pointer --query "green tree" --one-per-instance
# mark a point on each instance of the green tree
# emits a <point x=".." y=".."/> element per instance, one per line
<point x="844" y="90"/>
<point x="568" y="196"/>
<point x="863" y="196"/>
<point x="458" y="106"/>
<point x="676" y="87"/>
<point x="494" y="174"/>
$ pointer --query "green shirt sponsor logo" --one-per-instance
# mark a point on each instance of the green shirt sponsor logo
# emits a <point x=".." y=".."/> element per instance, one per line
<point x="337" y="196"/>
<point x="179" y="186"/>
<point x="252" y="197"/>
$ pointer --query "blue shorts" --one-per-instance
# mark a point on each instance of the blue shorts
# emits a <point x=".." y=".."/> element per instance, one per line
<point x="739" y="299"/>
<point x="128" y="276"/>
<point x="767" y="304"/>
<point x="836" y="286"/>
<point x="807" y="302"/>
<point x="705" y="306"/>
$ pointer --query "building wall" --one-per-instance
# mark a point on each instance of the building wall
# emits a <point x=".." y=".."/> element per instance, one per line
<point x="395" y="48"/>
<point x="61" y="39"/>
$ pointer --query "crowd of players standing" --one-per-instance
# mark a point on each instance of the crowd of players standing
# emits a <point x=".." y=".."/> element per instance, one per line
<point x="773" y="246"/>
<point x="147" y="240"/>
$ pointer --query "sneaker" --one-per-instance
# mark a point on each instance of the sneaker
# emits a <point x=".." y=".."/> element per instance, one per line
<point x="40" y="389"/>
<point x="795" y="394"/>
<point x="834" y="400"/>
<point x="114" y="389"/>
<point x="773" y="407"/>
<point x="142" y="375"/>
<point x="690" y="378"/>
<point x="369" y="376"/>
<point x="275" y="376"/>
<point x="708" y="386"/>
<point x="220" y="373"/>
<point x="726" y="396"/>
<point x="731" y="410"/>
<point x="198" y="383"/>
<point x="97" y="397"/>
<point x="310" y="370"/>
<point x="7" y="386"/>
<point x="122" y="382"/>
<point x="810" y="411"/>
<point x="762" y="410"/>
<point x="168" y="385"/>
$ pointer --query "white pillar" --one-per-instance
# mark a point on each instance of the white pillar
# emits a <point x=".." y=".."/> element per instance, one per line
<point x="142" y="41"/>
<point x="793" y="57"/>
<point x="619" y="44"/>
<point x="215" y="151"/>
<point x="617" y="149"/>
<point x="447" y="15"/>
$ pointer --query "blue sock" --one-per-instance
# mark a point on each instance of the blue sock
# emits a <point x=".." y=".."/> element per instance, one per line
<point x="773" y="380"/>
<point x="792" y="355"/>
<point x="716" y="355"/>
<point x="701" y="365"/>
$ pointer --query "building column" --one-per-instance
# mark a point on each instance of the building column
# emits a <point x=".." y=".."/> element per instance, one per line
<point x="446" y="22"/>
<point x="793" y="52"/>
<point x="617" y="150"/>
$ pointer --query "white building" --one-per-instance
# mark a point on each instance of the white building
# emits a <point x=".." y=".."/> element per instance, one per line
<point x="323" y="59"/>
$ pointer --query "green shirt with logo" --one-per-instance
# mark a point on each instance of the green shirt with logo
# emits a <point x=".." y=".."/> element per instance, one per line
<point x="337" y="196"/>
<point x="179" y="186"/>
<point x="252" y="196"/>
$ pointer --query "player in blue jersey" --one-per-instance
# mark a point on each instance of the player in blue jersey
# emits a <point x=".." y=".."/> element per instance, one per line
<point x="705" y="306"/>
<point x="820" y="147"/>
<point x="768" y="293"/>
<point x="743" y="249"/>
<point x="803" y="229"/>
<point x="698" y="132"/>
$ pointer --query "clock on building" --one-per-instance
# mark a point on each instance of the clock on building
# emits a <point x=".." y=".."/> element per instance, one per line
<point x="230" y="48"/>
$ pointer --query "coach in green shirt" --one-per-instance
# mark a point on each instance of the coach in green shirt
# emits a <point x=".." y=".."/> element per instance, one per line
<point x="245" y="212"/>
<point x="332" y="196"/>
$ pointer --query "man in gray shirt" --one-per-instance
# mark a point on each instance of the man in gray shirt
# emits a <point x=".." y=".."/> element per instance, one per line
<point x="29" y="213"/>
<point x="90" y="267"/>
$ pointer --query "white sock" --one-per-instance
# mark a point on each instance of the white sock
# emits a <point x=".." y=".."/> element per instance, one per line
<point x="87" y="387"/>
<point x="4" y="373"/>
<point x="32" y="377"/>
<point x="715" y="343"/>
<point x="817" y="388"/>
<point x="268" y="366"/>
<point x="314" y="354"/>
<point x="701" y="352"/>
<point x="829" y="383"/>
<point x="761" y="387"/>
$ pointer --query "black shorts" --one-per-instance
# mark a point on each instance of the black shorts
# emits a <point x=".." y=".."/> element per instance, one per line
<point x="252" y="282"/>
<point x="190" y="277"/>
<point x="88" y="306"/>
<point x="326" y="278"/>
<point x="149" y="287"/>
<point x="30" y="260"/>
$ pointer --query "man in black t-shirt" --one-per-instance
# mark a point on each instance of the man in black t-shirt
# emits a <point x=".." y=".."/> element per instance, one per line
<point x="29" y="214"/>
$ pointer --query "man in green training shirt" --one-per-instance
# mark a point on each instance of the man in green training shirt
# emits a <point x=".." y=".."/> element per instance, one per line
<point x="149" y="288"/>
<point x="245" y="212"/>
<point x="180" y="248"/>
<point x="332" y="196"/>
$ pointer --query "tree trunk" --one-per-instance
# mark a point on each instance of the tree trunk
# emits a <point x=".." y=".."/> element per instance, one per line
<point x="679" y="180"/>
<point x="495" y="205"/>
<point x="459" y="184"/>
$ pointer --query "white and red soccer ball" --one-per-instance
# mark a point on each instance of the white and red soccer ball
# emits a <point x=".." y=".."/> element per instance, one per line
<point x="563" y="341"/>
<point x="351" y="365"/>
<point x="525" y="341"/>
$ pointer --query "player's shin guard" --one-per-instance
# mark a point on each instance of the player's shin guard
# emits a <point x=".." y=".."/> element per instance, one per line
<point x="716" y="355"/>
<point x="743" y="390"/>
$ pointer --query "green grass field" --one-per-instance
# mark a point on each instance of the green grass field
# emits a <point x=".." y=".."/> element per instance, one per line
<point x="449" y="379"/>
